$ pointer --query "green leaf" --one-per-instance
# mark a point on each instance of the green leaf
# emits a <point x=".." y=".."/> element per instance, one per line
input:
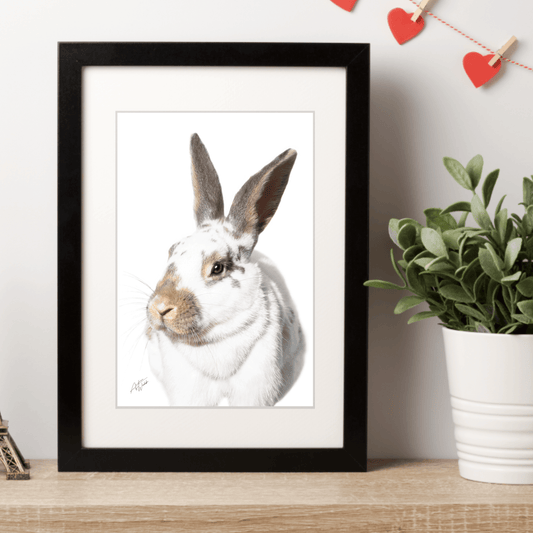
<point x="488" y="265"/>
<point x="451" y="238"/>
<point x="492" y="290"/>
<point x="526" y="306"/>
<point x="461" y="270"/>
<point x="499" y="206"/>
<point x="529" y="245"/>
<point x="413" y="222"/>
<point x="471" y="264"/>
<point x="477" y="232"/>
<point x="511" y="252"/>
<point x="437" y="265"/>
<point x="523" y="318"/>
<point x="457" y="206"/>
<point x="393" y="230"/>
<point x="510" y="232"/>
<point x="470" y="311"/>
<point x="424" y="253"/>
<point x="469" y="276"/>
<point x="503" y="312"/>
<point x="456" y="293"/>
<point x="437" y="307"/>
<point x="510" y="328"/>
<point x="406" y="303"/>
<point x="525" y="287"/>
<point x="413" y="273"/>
<point x="479" y="285"/>
<point x="488" y="187"/>
<point x="462" y="244"/>
<point x="495" y="236"/>
<point x="436" y="220"/>
<point x="500" y="221"/>
<point x="421" y="316"/>
<point x="396" y="269"/>
<point x="462" y="220"/>
<point x="454" y="258"/>
<point x="480" y="213"/>
<point x="377" y="284"/>
<point x="433" y="242"/>
<point x="412" y="252"/>
<point x="528" y="191"/>
<point x="509" y="280"/>
<point x="529" y="213"/>
<point x="506" y="306"/>
<point x="474" y="169"/>
<point x="527" y="227"/>
<point x="424" y="261"/>
<point x="495" y="257"/>
<point x="430" y="282"/>
<point x="435" y="274"/>
<point x="459" y="173"/>
<point x="406" y="236"/>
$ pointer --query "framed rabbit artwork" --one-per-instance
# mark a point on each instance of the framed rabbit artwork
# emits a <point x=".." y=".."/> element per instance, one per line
<point x="212" y="241"/>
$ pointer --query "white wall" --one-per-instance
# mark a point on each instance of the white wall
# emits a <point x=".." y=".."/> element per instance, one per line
<point x="423" y="107"/>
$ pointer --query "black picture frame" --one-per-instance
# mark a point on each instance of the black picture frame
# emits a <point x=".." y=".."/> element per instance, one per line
<point x="72" y="456"/>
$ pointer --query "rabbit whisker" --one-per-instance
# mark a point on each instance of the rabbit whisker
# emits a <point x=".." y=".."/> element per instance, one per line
<point x="134" y="349"/>
<point x="139" y="304"/>
<point x="138" y="279"/>
<point x="126" y="335"/>
<point x="130" y="291"/>
<point x="143" y="354"/>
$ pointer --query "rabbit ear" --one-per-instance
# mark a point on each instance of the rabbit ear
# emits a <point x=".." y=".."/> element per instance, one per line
<point x="257" y="201"/>
<point x="208" y="201"/>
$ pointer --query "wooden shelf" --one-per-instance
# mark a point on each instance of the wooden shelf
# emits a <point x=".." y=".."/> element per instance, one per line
<point x="393" y="496"/>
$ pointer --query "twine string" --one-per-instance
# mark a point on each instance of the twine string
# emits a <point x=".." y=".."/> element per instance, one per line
<point x="470" y="38"/>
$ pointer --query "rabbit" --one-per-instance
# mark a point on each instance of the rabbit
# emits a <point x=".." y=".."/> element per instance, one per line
<point x="221" y="326"/>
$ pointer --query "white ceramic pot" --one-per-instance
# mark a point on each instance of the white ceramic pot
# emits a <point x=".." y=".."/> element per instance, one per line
<point x="491" y="388"/>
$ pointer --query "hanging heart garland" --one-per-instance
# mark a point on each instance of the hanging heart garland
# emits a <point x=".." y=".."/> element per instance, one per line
<point x="480" y="69"/>
<point x="404" y="26"/>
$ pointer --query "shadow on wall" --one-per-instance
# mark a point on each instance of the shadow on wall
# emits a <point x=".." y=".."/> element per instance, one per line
<point x="397" y="373"/>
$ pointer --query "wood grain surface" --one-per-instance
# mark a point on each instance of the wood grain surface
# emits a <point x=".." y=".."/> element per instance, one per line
<point x="393" y="496"/>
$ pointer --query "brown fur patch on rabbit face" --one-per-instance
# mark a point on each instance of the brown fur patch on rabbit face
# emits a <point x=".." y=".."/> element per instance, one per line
<point x="172" y="307"/>
<point x="207" y="282"/>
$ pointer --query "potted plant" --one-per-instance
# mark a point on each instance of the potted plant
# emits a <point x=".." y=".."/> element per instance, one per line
<point x="478" y="281"/>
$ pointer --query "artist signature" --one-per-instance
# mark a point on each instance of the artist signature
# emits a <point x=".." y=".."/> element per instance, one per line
<point x="139" y="385"/>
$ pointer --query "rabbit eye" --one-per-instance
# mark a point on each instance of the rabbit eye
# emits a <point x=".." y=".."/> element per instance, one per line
<point x="218" y="268"/>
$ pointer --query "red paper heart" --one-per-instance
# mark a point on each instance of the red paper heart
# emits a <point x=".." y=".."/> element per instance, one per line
<point x="478" y="69"/>
<point x="345" y="4"/>
<point x="401" y="25"/>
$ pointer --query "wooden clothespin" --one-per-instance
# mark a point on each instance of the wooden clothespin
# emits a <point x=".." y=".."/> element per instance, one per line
<point x="420" y="10"/>
<point x="502" y="50"/>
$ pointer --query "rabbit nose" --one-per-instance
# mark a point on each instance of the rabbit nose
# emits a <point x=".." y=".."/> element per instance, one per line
<point x="174" y="309"/>
<point x="161" y="306"/>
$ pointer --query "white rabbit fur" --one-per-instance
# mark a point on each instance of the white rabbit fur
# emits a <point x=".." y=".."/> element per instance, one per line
<point x="232" y="334"/>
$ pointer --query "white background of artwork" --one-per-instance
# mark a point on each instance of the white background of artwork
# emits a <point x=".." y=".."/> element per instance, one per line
<point x="155" y="210"/>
